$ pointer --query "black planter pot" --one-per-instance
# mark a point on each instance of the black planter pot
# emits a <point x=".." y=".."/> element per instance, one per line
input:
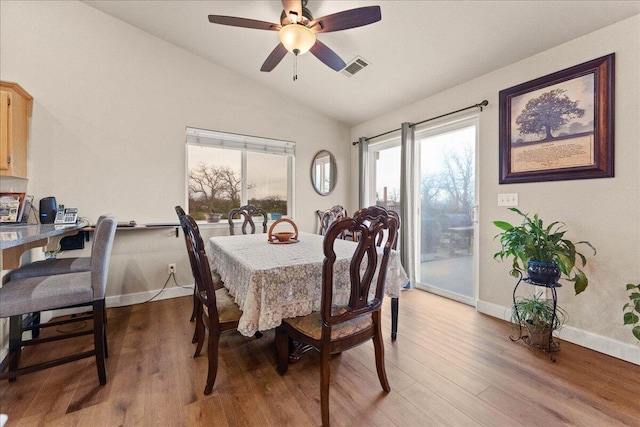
<point x="543" y="272"/>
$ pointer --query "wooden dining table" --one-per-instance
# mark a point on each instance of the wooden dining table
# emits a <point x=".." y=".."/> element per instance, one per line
<point x="273" y="281"/>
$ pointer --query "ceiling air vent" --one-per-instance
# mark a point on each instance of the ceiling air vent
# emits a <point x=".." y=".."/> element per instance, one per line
<point x="357" y="64"/>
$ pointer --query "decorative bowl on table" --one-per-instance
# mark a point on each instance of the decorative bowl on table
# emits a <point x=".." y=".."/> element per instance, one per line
<point x="283" y="236"/>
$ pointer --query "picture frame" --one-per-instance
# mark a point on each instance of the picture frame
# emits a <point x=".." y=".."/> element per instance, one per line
<point x="560" y="126"/>
<point x="11" y="207"/>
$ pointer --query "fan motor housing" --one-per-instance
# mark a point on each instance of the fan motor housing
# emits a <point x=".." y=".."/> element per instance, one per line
<point x="304" y="20"/>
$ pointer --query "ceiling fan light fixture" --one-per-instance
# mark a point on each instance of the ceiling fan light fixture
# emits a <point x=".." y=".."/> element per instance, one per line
<point x="297" y="38"/>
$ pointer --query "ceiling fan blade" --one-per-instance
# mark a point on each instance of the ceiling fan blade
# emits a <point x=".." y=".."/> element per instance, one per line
<point x="294" y="6"/>
<point x="243" y="22"/>
<point x="274" y="58"/>
<point x="327" y="56"/>
<point x="346" y="19"/>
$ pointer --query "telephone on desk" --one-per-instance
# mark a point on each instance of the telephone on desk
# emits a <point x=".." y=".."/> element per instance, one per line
<point x="66" y="215"/>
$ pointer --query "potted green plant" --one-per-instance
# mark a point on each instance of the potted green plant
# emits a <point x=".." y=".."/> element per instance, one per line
<point x="539" y="318"/>
<point x="547" y="255"/>
<point x="632" y="309"/>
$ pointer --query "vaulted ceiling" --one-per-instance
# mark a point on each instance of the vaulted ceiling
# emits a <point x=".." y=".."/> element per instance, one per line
<point x="418" y="49"/>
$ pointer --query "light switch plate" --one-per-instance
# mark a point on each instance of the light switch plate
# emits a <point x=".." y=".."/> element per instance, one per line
<point x="508" y="199"/>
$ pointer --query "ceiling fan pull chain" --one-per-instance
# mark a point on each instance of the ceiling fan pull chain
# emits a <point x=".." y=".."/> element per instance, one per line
<point x="295" y="67"/>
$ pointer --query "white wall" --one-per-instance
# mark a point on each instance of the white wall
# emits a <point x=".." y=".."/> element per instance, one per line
<point x="110" y="108"/>
<point x="602" y="211"/>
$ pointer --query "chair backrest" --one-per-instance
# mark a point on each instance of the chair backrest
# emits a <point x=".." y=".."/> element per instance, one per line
<point x="382" y="236"/>
<point x="100" y="218"/>
<point x="247" y="213"/>
<point x="200" y="267"/>
<point x="368" y="267"/>
<point x="326" y="218"/>
<point x="101" y="254"/>
<point x="180" y="211"/>
<point x="200" y="243"/>
<point x="188" y="241"/>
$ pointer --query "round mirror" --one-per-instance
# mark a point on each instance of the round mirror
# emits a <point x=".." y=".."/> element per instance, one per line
<point x="324" y="173"/>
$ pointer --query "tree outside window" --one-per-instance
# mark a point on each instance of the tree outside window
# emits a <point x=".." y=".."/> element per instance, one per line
<point x="220" y="179"/>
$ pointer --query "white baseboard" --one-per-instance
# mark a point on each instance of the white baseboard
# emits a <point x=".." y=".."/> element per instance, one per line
<point x="605" y="345"/>
<point x="493" y="310"/>
<point x="140" y="297"/>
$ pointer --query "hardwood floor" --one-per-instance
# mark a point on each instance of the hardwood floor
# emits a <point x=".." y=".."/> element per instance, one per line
<point x="449" y="366"/>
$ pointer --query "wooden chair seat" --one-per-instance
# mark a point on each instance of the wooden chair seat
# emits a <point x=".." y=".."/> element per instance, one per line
<point x="311" y="326"/>
<point x="228" y="310"/>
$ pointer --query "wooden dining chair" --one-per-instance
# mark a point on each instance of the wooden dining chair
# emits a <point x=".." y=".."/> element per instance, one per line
<point x="180" y="212"/>
<point x="19" y="296"/>
<point x="246" y="213"/>
<point x="216" y="311"/>
<point x="218" y="282"/>
<point x="192" y="261"/>
<point x="327" y="217"/>
<point x="339" y="326"/>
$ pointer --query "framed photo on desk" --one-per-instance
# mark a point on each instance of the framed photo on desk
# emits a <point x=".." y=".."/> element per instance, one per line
<point x="11" y="207"/>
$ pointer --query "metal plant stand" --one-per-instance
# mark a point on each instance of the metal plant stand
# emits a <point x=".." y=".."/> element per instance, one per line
<point x="521" y="335"/>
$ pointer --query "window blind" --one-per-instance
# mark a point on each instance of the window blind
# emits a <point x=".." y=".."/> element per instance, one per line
<point x="234" y="141"/>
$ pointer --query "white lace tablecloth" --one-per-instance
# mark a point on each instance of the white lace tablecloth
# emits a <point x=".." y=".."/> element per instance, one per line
<point x="274" y="281"/>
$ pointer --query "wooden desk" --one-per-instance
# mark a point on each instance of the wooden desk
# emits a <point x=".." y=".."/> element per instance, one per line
<point x="15" y="239"/>
<point x="274" y="281"/>
<point x="153" y="226"/>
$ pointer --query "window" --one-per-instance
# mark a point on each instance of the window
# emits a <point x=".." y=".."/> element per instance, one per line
<point x="225" y="171"/>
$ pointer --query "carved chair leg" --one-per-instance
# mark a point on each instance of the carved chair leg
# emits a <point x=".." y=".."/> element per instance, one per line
<point x="212" y="354"/>
<point x="325" y="376"/>
<point x="378" y="346"/>
<point x="282" y="347"/>
<point x="394" y="318"/>
<point x="194" y="339"/>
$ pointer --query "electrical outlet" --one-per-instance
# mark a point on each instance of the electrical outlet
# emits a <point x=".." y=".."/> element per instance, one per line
<point x="508" y="199"/>
<point x="171" y="268"/>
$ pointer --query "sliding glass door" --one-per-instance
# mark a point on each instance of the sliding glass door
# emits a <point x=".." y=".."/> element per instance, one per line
<point x="447" y="223"/>
<point x="445" y="198"/>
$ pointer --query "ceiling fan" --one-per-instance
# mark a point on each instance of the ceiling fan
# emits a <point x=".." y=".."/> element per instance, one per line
<point x="297" y="30"/>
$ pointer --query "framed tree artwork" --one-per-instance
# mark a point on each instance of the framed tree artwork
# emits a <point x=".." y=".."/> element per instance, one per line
<point x="559" y="126"/>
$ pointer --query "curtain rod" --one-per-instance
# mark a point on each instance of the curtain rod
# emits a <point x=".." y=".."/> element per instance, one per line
<point x="480" y="105"/>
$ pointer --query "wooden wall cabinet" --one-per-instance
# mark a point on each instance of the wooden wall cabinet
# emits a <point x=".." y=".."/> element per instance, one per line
<point x="15" y="110"/>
